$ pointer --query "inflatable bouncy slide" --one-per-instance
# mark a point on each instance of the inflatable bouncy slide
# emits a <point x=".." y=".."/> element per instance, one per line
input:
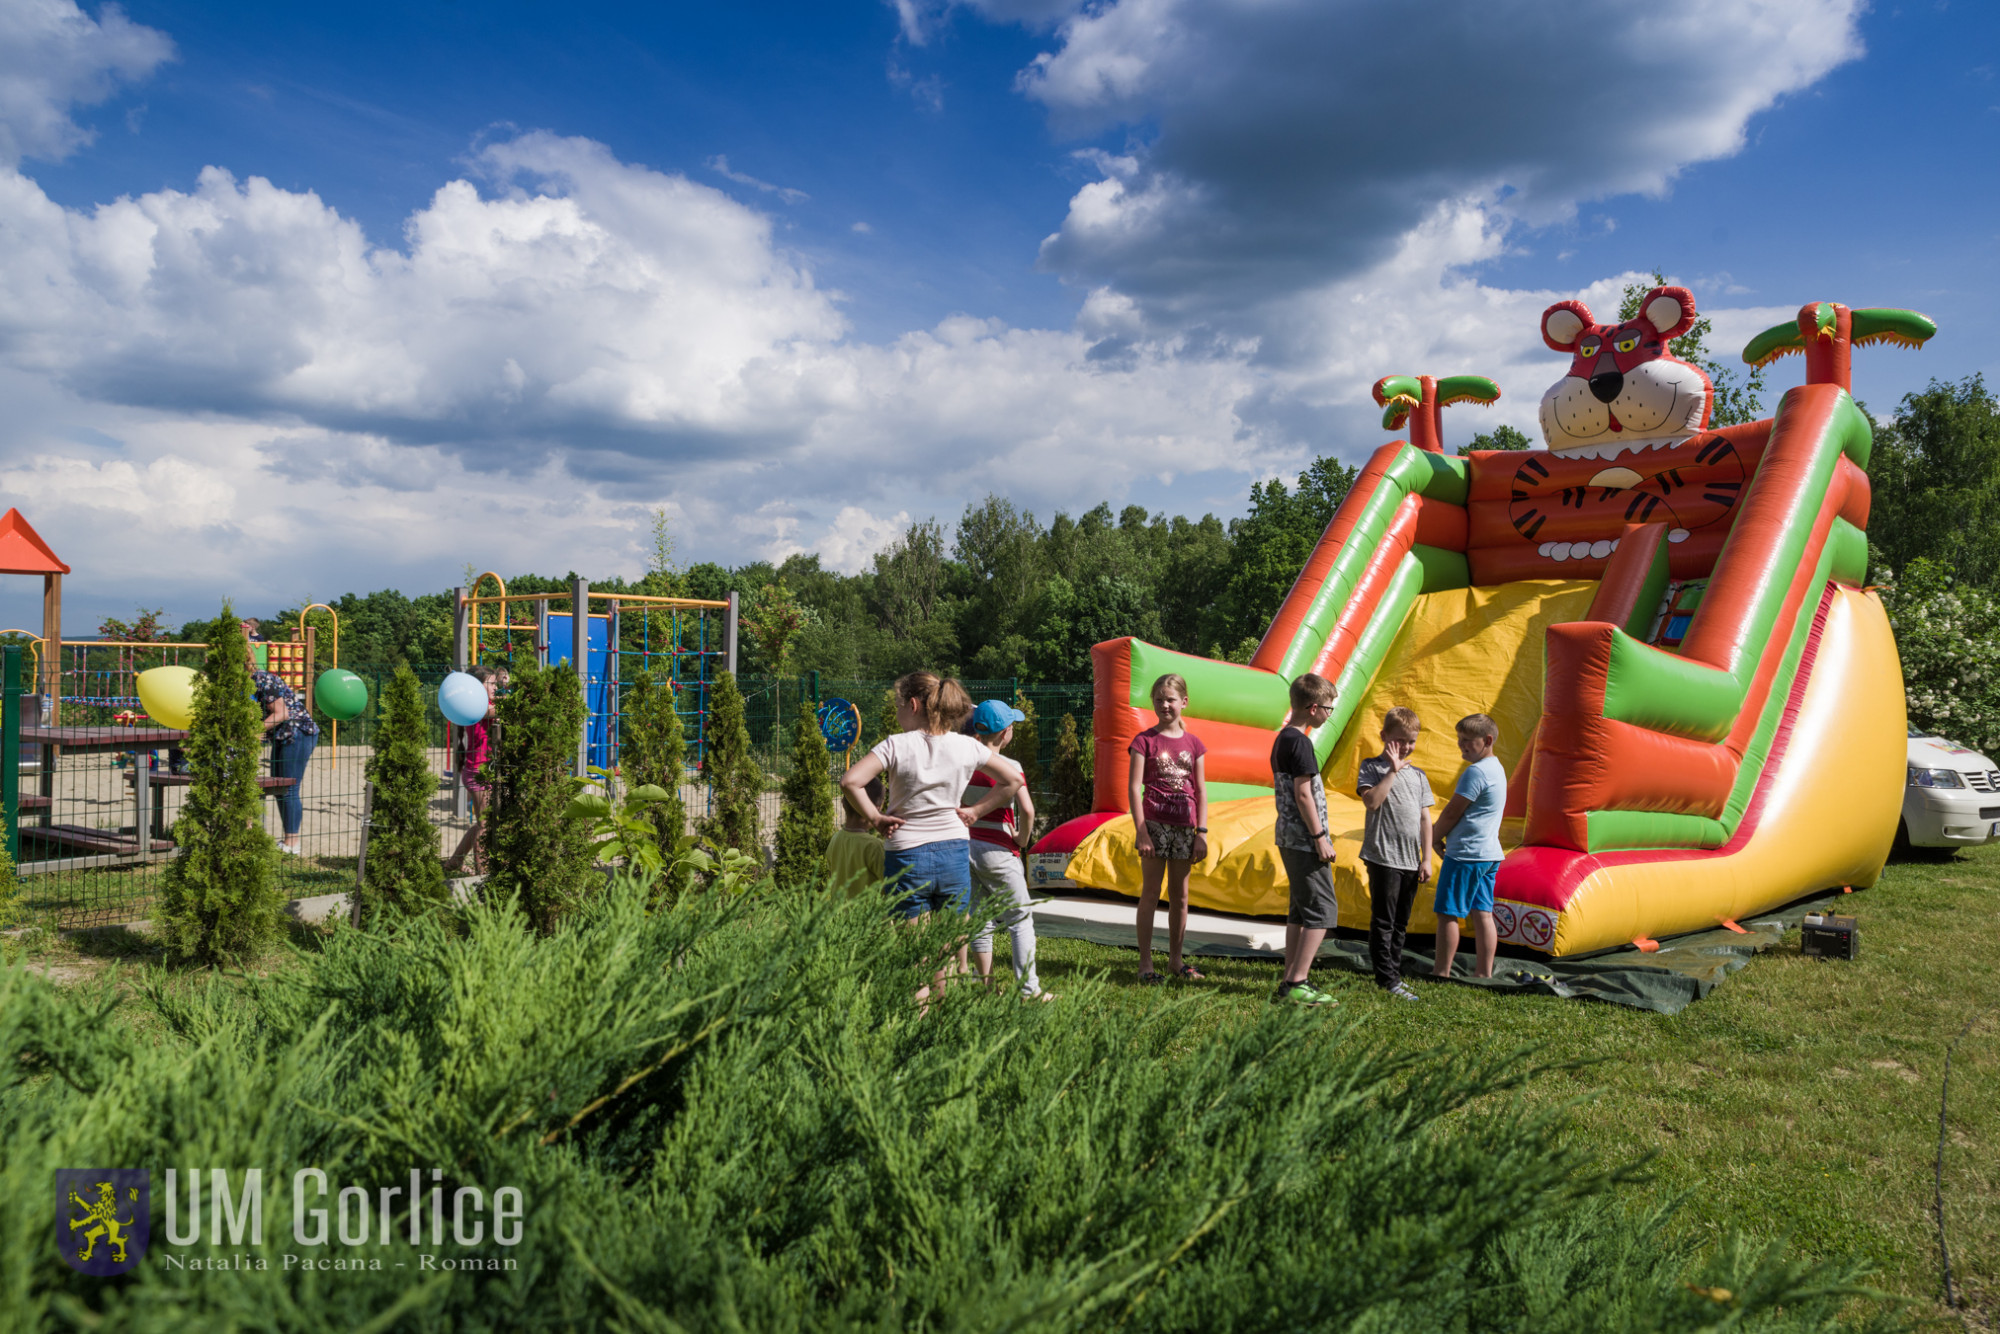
<point x="1700" y="706"/>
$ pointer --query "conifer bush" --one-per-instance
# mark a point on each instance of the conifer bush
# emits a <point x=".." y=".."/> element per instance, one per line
<point x="805" y="823"/>
<point x="1026" y="750"/>
<point x="652" y="748"/>
<point x="10" y="890"/>
<point x="536" y="852"/>
<point x="885" y="715"/>
<point x="725" y="1115"/>
<point x="734" y="779"/>
<point x="219" y="899"/>
<point x="402" y="873"/>
<point x="1070" y="773"/>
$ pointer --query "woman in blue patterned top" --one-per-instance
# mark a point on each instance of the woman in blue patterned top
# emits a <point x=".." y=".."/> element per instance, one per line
<point x="293" y="735"/>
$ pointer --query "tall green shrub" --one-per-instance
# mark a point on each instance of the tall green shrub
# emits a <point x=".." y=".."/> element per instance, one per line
<point x="1026" y="750"/>
<point x="886" y="723"/>
<point x="805" y="825"/>
<point x="652" y="748"/>
<point x="402" y="873"/>
<point x="220" y="900"/>
<point x="10" y="890"/>
<point x="1070" y="774"/>
<point x="734" y="780"/>
<point x="1948" y="636"/>
<point x="536" y="852"/>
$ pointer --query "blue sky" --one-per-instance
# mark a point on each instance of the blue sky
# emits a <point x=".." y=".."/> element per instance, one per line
<point x="298" y="299"/>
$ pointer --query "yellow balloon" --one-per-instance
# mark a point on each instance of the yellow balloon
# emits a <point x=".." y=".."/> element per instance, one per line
<point x="167" y="695"/>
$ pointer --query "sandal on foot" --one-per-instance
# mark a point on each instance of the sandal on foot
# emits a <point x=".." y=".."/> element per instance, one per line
<point x="1188" y="973"/>
<point x="1150" y="979"/>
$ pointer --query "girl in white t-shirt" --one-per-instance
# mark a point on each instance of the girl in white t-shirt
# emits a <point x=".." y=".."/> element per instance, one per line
<point x="927" y="767"/>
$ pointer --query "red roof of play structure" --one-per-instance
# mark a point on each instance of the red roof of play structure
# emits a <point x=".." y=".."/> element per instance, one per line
<point x="22" y="550"/>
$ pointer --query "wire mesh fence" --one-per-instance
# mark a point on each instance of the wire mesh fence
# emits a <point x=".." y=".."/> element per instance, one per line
<point x="101" y="785"/>
<point x="773" y="704"/>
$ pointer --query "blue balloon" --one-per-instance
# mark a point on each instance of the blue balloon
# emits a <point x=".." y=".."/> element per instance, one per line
<point x="462" y="699"/>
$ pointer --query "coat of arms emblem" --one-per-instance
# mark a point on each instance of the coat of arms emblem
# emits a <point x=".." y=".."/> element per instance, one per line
<point x="104" y="1218"/>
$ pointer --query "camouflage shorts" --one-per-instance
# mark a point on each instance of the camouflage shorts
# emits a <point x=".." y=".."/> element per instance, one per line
<point x="1175" y="842"/>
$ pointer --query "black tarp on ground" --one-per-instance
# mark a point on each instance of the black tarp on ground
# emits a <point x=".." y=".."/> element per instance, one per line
<point x="1684" y="969"/>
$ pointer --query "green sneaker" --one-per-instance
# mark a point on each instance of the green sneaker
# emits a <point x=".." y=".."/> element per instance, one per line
<point x="1302" y="993"/>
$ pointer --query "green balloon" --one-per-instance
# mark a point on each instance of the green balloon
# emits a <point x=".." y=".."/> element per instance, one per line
<point x="340" y="694"/>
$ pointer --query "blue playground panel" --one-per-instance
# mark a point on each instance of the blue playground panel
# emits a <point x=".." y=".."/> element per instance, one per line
<point x="598" y="689"/>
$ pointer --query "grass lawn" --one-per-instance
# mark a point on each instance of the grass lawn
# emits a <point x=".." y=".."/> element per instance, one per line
<point x="1800" y="1097"/>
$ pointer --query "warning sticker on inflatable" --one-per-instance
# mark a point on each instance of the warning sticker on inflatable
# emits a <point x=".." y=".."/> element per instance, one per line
<point x="1049" y="870"/>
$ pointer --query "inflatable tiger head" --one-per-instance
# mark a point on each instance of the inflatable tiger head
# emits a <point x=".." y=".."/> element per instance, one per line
<point x="1625" y="391"/>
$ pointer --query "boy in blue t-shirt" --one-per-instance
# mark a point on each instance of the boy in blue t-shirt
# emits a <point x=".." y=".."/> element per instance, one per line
<point x="1468" y="839"/>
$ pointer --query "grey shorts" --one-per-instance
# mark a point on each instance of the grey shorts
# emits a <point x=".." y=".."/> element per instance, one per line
<point x="1313" y="903"/>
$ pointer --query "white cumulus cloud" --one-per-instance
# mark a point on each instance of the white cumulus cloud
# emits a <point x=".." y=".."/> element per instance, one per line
<point x="55" y="58"/>
<point x="231" y="386"/>
<point x="1287" y="143"/>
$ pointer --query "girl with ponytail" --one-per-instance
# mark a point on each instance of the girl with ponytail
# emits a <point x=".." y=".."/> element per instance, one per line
<point x="927" y="767"/>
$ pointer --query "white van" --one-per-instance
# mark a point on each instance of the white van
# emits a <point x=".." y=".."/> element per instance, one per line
<point x="1952" y="799"/>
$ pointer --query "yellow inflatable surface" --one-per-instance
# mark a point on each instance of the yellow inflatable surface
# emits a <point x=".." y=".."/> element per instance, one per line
<point x="1466" y="650"/>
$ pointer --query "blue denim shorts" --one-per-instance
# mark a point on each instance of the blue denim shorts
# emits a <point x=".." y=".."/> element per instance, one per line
<point x="936" y="877"/>
<point x="1465" y="887"/>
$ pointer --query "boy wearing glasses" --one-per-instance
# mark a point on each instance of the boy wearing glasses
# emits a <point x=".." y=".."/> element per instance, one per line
<point x="1305" y="843"/>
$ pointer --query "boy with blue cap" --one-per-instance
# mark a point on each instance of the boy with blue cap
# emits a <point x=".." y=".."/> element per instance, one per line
<point x="998" y="840"/>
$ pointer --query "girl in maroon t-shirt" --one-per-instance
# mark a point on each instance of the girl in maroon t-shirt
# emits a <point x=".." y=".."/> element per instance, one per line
<point x="1168" y="791"/>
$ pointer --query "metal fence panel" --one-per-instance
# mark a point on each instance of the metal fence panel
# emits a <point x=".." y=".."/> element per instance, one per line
<point x="86" y="794"/>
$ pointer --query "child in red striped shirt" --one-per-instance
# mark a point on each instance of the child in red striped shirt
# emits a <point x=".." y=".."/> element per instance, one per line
<point x="998" y="840"/>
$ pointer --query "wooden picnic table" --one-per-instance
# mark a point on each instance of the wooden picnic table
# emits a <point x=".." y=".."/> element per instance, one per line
<point x="99" y="846"/>
<point x="107" y="846"/>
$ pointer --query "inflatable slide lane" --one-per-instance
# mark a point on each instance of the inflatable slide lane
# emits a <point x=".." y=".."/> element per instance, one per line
<point x="1700" y="707"/>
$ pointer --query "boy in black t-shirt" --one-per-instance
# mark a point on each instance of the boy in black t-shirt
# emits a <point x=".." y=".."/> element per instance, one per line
<point x="1305" y="843"/>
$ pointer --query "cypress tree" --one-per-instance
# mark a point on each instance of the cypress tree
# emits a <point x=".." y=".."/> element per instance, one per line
<point x="885" y="717"/>
<point x="1070" y="778"/>
<point x="402" y="872"/>
<point x="652" y="748"/>
<point x="1026" y="750"/>
<point x="537" y="853"/>
<point x="10" y="890"/>
<point x="220" y="900"/>
<point x="805" y="823"/>
<point x="734" y="780"/>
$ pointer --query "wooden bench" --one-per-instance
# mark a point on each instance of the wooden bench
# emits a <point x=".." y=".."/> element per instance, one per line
<point x="160" y="780"/>
<point x="185" y="780"/>
<point x="102" y="842"/>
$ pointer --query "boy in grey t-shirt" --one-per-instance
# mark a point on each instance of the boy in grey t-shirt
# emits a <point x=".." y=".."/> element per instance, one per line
<point x="1395" y="844"/>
